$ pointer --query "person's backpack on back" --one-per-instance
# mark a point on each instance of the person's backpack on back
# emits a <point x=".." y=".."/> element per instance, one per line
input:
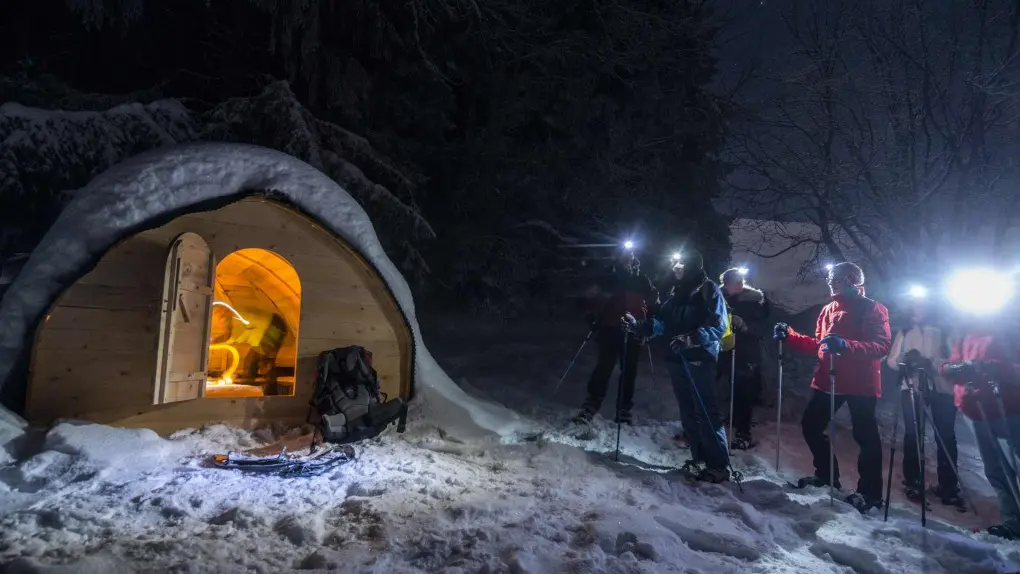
<point x="729" y="339"/>
<point x="348" y="399"/>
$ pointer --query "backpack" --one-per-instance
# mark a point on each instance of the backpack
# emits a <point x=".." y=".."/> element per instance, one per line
<point x="348" y="398"/>
<point x="729" y="339"/>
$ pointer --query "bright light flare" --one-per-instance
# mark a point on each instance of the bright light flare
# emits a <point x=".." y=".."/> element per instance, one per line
<point x="628" y="245"/>
<point x="917" y="291"/>
<point x="676" y="256"/>
<point x="743" y="270"/>
<point x="829" y="266"/>
<point x="981" y="291"/>
<point x="232" y="310"/>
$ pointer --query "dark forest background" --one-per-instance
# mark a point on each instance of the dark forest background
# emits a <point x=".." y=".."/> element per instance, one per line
<point x="499" y="131"/>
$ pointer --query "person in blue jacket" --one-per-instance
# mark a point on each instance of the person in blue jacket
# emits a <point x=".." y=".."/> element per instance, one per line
<point x="694" y="317"/>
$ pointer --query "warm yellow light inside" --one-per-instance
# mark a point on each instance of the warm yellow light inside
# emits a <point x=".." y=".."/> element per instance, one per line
<point x="228" y="375"/>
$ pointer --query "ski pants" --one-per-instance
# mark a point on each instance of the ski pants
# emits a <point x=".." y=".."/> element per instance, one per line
<point x="746" y="391"/>
<point x="997" y="442"/>
<point x="943" y="414"/>
<point x="610" y="347"/>
<point x="865" y="431"/>
<point x="696" y="395"/>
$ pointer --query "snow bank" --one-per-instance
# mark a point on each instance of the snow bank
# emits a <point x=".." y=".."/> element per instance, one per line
<point x="124" y="199"/>
<point x="12" y="428"/>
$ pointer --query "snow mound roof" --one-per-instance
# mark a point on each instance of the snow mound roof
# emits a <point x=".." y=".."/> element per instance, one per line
<point x="144" y="191"/>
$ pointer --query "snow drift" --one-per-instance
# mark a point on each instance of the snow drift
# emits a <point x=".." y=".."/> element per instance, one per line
<point x="134" y="195"/>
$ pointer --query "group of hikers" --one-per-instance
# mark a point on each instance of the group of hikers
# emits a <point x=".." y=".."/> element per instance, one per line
<point x="973" y="369"/>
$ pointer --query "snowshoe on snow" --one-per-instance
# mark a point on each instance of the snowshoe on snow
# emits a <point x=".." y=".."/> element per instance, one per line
<point x="692" y="468"/>
<point x="949" y="497"/>
<point x="283" y="465"/>
<point x="862" y="504"/>
<point x="815" y="481"/>
<point x="581" y="427"/>
<point x="1003" y="531"/>
<point x="624" y="417"/>
<point x="713" y="475"/>
<point x="583" y="418"/>
<point x="743" y="442"/>
<point x="914" y="494"/>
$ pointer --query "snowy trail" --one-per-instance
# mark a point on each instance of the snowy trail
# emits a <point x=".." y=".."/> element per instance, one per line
<point x="97" y="499"/>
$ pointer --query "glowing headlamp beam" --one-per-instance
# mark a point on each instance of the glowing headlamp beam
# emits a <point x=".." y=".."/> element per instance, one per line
<point x="628" y="245"/>
<point x="917" y="291"/>
<point x="829" y="266"/>
<point x="232" y="310"/>
<point x="981" y="291"/>
<point x="676" y="256"/>
<point x="743" y="270"/>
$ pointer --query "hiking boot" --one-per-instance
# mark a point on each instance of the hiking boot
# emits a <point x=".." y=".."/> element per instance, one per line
<point x="713" y="475"/>
<point x="693" y="467"/>
<point x="817" y="482"/>
<point x="743" y="442"/>
<point x="948" y="496"/>
<point x="1003" y="531"/>
<point x="862" y="504"/>
<point x="913" y="493"/>
<point x="583" y="418"/>
<point x="624" y="417"/>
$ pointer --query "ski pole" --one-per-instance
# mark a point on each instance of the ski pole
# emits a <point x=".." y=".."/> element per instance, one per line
<point x="892" y="456"/>
<point x="1009" y="436"/>
<point x="832" y="428"/>
<point x="651" y="366"/>
<point x="733" y="396"/>
<point x="708" y="419"/>
<point x="574" y="360"/>
<point x="952" y="465"/>
<point x="619" y="391"/>
<point x="998" y="448"/>
<point x="919" y="433"/>
<point x="779" y="403"/>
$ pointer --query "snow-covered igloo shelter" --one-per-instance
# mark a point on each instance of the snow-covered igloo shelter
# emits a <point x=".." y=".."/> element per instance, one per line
<point x="198" y="284"/>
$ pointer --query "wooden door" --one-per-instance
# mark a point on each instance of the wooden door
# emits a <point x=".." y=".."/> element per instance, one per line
<point x="181" y="366"/>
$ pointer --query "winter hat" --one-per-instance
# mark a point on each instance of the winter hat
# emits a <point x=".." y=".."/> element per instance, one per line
<point x="849" y="272"/>
<point x="691" y="259"/>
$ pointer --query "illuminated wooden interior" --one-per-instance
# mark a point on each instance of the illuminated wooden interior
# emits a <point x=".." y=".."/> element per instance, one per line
<point x="254" y="333"/>
<point x="97" y="355"/>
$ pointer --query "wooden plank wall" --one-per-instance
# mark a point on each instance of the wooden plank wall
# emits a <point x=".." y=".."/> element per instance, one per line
<point x="95" y="354"/>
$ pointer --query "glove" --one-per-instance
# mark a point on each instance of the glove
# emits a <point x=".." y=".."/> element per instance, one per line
<point x="738" y="324"/>
<point x="682" y="343"/>
<point x="964" y="370"/>
<point x="781" y="331"/>
<point x="834" y="344"/>
<point x="628" y="323"/>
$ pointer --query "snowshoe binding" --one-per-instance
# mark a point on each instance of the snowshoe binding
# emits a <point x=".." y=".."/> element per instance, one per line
<point x="581" y="426"/>
<point x="692" y="468"/>
<point x="862" y="504"/>
<point x="914" y="493"/>
<point x="1003" y="531"/>
<point x="713" y="475"/>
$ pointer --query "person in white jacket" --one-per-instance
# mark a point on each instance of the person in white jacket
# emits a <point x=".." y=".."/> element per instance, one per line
<point x="924" y="338"/>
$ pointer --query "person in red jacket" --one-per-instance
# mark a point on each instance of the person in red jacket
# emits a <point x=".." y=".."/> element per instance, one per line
<point x="984" y="366"/>
<point x="624" y="289"/>
<point x="856" y="330"/>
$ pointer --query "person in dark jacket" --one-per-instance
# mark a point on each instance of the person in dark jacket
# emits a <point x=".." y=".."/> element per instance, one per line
<point x="624" y="289"/>
<point x="856" y="330"/>
<point x="694" y="318"/>
<point x="984" y="367"/>
<point x="748" y="309"/>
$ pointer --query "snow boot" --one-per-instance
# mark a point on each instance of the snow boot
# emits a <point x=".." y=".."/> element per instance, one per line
<point x="949" y="497"/>
<point x="1003" y="531"/>
<point x="816" y="481"/>
<point x="862" y="504"/>
<point x="692" y="468"/>
<point x="913" y="493"/>
<point x="624" y="417"/>
<point x="713" y="475"/>
<point x="743" y="442"/>
<point x="583" y="418"/>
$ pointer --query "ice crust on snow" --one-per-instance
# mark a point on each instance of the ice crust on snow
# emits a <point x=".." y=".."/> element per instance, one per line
<point x="125" y="198"/>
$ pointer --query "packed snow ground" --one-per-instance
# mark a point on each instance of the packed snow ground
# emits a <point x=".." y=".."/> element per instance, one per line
<point x="88" y="498"/>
